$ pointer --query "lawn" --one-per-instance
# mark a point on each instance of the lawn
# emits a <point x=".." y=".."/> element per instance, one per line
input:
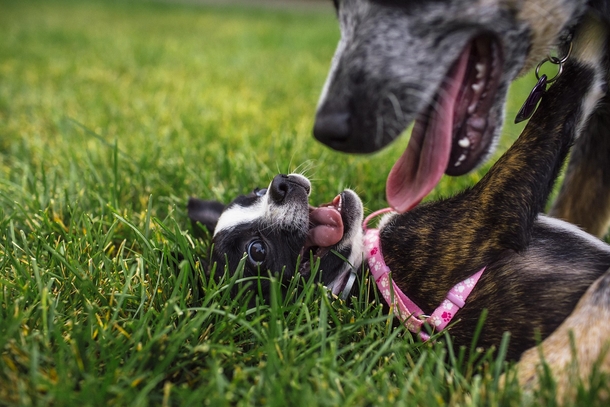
<point x="111" y="115"/>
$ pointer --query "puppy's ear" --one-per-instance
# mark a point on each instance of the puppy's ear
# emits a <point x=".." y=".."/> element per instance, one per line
<point x="205" y="213"/>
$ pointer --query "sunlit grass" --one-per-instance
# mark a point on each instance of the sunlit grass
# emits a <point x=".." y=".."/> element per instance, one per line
<point x="111" y="115"/>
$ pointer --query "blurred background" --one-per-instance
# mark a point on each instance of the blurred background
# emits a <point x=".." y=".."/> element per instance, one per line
<point x="193" y="97"/>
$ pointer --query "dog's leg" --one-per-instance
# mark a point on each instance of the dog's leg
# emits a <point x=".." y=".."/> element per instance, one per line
<point x="584" y="198"/>
<point x="578" y="349"/>
<point x="589" y="57"/>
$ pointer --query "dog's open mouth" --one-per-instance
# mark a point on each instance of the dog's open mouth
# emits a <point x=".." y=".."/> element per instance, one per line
<point x="326" y="229"/>
<point x="454" y="133"/>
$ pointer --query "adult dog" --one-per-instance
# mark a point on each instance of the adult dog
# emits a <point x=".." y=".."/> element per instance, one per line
<point x="447" y="66"/>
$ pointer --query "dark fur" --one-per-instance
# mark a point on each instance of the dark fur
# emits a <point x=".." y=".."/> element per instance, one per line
<point x="584" y="198"/>
<point x="535" y="273"/>
<point x="537" y="268"/>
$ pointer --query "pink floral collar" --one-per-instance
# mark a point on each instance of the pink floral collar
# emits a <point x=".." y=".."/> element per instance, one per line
<point x="405" y="309"/>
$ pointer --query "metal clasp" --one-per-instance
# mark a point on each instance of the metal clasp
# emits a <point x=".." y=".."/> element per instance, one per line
<point x="556" y="61"/>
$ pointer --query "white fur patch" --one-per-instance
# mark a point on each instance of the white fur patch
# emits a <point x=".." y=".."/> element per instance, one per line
<point x="386" y="220"/>
<point x="546" y="19"/>
<point x="564" y="226"/>
<point x="240" y="215"/>
<point x="263" y="209"/>
<point x="590" y="40"/>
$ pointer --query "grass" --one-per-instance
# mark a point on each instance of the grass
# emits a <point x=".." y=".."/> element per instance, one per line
<point x="111" y="115"/>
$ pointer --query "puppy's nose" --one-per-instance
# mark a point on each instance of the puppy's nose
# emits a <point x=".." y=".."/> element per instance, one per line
<point x="283" y="185"/>
<point x="332" y="127"/>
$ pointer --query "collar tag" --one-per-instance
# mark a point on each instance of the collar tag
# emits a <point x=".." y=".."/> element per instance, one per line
<point x="530" y="104"/>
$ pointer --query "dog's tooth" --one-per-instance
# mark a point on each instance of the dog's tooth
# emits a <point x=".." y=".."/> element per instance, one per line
<point x="476" y="87"/>
<point x="464" y="142"/>
<point x="472" y="108"/>
<point x="459" y="161"/>
<point x="480" y="67"/>
<point x="477" y="123"/>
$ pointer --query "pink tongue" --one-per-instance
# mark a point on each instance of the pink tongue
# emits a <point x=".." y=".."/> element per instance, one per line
<point x="425" y="160"/>
<point x="328" y="227"/>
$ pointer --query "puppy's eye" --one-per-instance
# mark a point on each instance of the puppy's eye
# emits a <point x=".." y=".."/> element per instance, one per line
<point x="260" y="191"/>
<point x="256" y="251"/>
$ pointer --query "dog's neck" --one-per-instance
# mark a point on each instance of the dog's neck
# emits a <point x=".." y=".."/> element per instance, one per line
<point x="404" y="308"/>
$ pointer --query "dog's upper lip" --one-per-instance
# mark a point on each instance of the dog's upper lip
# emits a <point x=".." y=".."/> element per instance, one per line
<point x="454" y="131"/>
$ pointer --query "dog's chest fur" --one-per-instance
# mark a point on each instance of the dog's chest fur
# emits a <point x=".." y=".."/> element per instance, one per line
<point x="527" y="293"/>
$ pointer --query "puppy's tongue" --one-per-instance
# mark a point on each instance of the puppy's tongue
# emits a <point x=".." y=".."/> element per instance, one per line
<point x="425" y="160"/>
<point x="327" y="227"/>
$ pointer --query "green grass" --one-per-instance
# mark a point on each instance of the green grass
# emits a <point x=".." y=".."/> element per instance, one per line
<point x="111" y="115"/>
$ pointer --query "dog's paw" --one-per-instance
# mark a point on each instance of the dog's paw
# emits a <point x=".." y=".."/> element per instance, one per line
<point x="578" y="352"/>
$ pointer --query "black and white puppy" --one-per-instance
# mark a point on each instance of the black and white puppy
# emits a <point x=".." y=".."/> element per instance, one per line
<point x="276" y="228"/>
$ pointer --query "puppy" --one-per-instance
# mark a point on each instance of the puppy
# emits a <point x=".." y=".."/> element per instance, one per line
<point x="274" y="228"/>
<point x="536" y="268"/>
<point x="447" y="67"/>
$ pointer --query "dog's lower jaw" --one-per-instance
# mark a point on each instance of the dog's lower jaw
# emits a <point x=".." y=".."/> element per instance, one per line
<point x="338" y="261"/>
<point x="351" y="266"/>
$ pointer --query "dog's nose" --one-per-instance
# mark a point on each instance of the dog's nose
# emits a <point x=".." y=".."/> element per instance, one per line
<point x="332" y="128"/>
<point x="282" y="185"/>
